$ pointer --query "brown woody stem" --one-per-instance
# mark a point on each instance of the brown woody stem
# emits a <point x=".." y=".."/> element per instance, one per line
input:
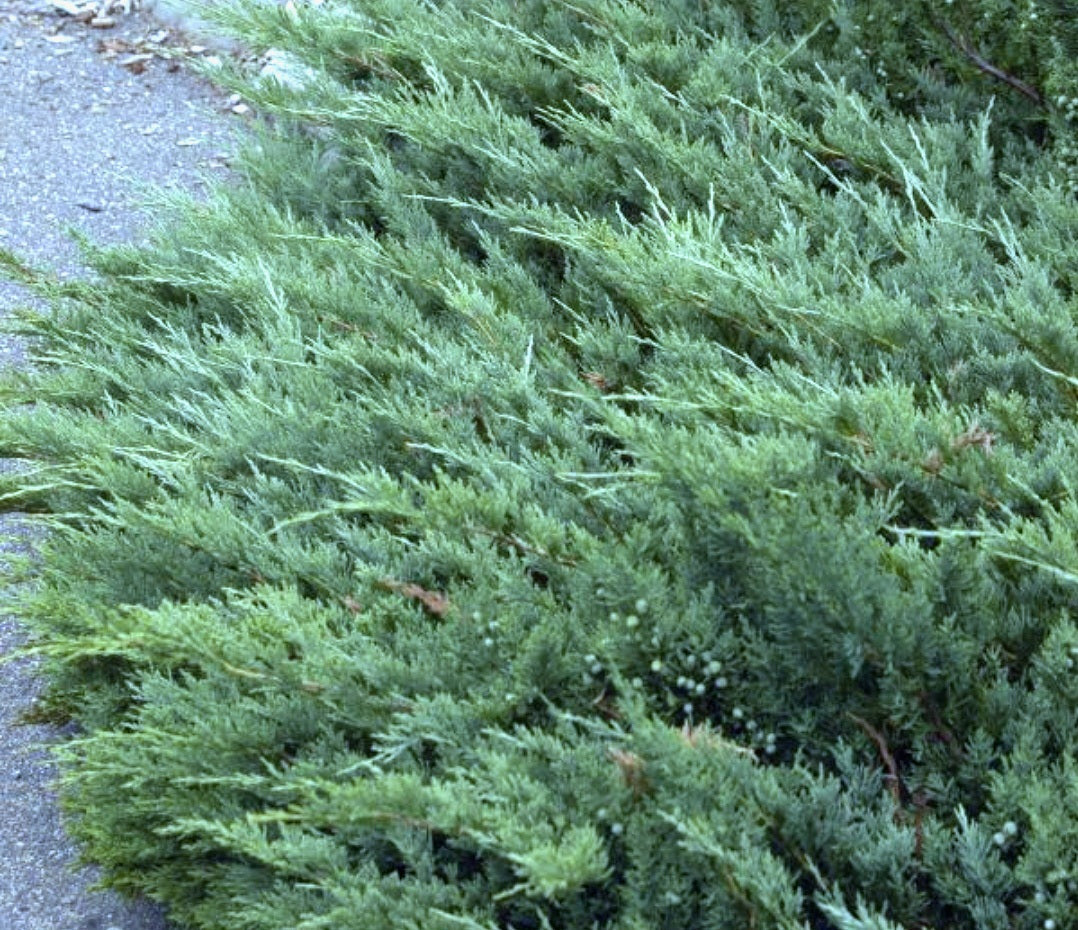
<point x="963" y="44"/>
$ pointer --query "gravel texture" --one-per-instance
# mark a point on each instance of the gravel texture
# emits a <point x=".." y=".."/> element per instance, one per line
<point x="81" y="135"/>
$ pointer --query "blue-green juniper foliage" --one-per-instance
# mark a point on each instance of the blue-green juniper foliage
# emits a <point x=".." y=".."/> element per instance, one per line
<point x="600" y="464"/>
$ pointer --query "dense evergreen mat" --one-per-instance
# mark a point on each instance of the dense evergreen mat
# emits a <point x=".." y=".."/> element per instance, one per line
<point x="603" y="464"/>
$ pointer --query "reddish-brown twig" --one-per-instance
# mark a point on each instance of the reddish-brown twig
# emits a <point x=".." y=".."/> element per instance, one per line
<point x="963" y="45"/>
<point x="888" y="761"/>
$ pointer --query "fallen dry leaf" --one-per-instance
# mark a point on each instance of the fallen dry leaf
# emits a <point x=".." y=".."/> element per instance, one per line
<point x="597" y="380"/>
<point x="114" y="46"/>
<point x="136" y="64"/>
<point x="435" y="603"/>
<point x="632" y="770"/>
<point x="977" y="436"/>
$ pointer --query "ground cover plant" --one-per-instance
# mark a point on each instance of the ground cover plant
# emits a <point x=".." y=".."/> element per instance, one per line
<point x="603" y="464"/>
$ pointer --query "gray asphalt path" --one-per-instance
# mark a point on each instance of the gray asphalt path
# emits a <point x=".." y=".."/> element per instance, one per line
<point x="80" y="134"/>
